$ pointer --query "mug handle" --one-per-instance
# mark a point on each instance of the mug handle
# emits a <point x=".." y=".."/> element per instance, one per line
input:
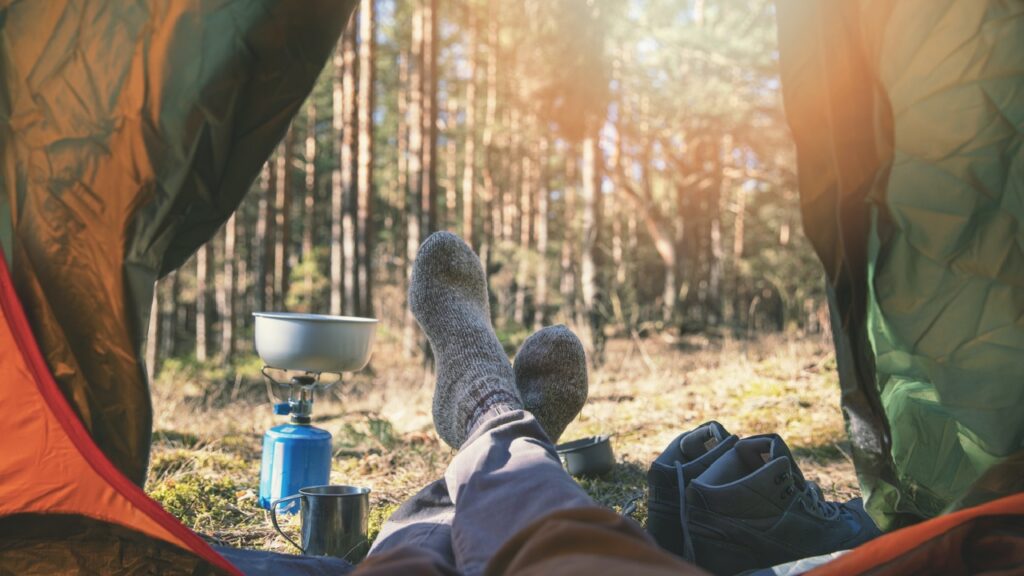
<point x="273" y="519"/>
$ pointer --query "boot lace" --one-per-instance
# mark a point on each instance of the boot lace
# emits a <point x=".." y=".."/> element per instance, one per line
<point x="688" y="553"/>
<point x="814" y="502"/>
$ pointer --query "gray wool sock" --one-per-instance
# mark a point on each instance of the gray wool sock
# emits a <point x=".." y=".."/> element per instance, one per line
<point x="448" y="297"/>
<point x="551" y="374"/>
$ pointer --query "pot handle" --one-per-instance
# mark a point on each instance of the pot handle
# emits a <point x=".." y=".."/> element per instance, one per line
<point x="273" y="519"/>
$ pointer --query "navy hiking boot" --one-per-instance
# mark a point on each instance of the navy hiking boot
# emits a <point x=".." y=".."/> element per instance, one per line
<point x="686" y="457"/>
<point x="752" y="508"/>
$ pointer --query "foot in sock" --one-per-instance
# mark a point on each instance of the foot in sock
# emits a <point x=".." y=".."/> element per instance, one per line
<point x="448" y="297"/>
<point x="551" y="375"/>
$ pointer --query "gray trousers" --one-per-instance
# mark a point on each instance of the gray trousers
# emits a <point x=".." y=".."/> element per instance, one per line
<point x="506" y="476"/>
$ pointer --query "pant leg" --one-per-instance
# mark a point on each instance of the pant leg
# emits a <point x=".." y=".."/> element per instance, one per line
<point x="423" y="521"/>
<point x="506" y="476"/>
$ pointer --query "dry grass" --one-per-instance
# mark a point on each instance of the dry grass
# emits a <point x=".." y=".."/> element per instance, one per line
<point x="205" y="464"/>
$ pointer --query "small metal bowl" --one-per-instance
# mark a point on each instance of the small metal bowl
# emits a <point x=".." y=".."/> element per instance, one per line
<point x="314" y="342"/>
<point x="591" y="456"/>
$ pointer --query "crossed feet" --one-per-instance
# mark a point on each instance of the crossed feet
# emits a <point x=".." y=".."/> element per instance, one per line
<point x="448" y="297"/>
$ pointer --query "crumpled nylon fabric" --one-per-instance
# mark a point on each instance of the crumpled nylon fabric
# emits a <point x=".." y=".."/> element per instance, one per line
<point x="129" y="132"/>
<point x="908" y="118"/>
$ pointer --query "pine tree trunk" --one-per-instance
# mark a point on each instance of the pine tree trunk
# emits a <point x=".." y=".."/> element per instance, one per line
<point x="541" y="229"/>
<point x="153" y="335"/>
<point x="737" y="252"/>
<point x="202" y="297"/>
<point x="402" y="148"/>
<point x="348" y="169"/>
<point x="282" y="222"/>
<point x="226" y="291"/>
<point x="168" y="313"/>
<point x="242" y="299"/>
<point x="469" y="144"/>
<point x="451" y="163"/>
<point x="512" y="173"/>
<point x="364" y="176"/>
<point x="492" y="217"/>
<point x="337" y="266"/>
<point x="414" y="197"/>
<point x="570" y="242"/>
<point x="591" y="262"/>
<point x="309" y="205"/>
<point x="715" y="253"/>
<point x="525" y="235"/>
<point x="265" y="237"/>
<point x="428" y="78"/>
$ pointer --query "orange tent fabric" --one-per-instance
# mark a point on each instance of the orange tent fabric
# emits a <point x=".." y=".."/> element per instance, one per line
<point x="983" y="539"/>
<point x="51" y="465"/>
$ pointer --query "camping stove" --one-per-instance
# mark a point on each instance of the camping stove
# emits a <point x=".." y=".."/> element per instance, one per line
<point x="297" y="454"/>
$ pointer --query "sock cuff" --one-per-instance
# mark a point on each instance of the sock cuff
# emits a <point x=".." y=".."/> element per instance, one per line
<point x="489" y="399"/>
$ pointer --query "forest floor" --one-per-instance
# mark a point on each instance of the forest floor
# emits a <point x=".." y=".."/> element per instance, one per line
<point x="209" y="425"/>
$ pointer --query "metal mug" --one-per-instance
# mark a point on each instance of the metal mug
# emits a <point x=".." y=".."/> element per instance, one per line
<point x="334" y="520"/>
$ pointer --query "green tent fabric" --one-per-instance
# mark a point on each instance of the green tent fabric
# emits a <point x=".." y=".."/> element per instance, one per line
<point x="129" y="132"/>
<point x="908" y="118"/>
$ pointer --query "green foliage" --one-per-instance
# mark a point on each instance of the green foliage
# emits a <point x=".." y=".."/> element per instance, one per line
<point x="308" y="282"/>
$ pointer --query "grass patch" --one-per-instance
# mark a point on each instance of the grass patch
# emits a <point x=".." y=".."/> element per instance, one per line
<point x="204" y="503"/>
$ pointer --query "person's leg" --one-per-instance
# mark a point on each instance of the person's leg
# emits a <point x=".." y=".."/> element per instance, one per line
<point x="517" y="511"/>
<point x="424" y="521"/>
<point x="551" y="376"/>
<point x="506" y="476"/>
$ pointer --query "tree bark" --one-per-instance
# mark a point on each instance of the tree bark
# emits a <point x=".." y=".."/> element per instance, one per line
<point x="525" y="219"/>
<point x="242" y="297"/>
<point x="202" y="297"/>
<point x="153" y="334"/>
<point x="402" y="180"/>
<point x="367" y="54"/>
<point x="282" y="225"/>
<point x="570" y="240"/>
<point x="492" y="219"/>
<point x="428" y="56"/>
<point x="414" y="197"/>
<point x="309" y="204"/>
<point x="226" y="291"/>
<point x="337" y="265"/>
<point x="265" y="237"/>
<point x="591" y="260"/>
<point x="469" y="143"/>
<point x="541" y="229"/>
<point x="169" y="314"/>
<point x="350" y="236"/>
<point x="451" y="155"/>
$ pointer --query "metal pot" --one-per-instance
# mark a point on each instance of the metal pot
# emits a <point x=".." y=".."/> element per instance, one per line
<point x="590" y="456"/>
<point x="314" y="342"/>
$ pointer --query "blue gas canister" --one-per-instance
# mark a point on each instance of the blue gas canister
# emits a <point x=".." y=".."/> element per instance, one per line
<point x="295" y="455"/>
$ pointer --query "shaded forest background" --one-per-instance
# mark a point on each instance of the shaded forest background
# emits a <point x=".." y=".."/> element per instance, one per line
<point x="623" y="167"/>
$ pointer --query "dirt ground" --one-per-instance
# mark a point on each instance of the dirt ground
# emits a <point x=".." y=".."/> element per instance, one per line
<point x="209" y="423"/>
